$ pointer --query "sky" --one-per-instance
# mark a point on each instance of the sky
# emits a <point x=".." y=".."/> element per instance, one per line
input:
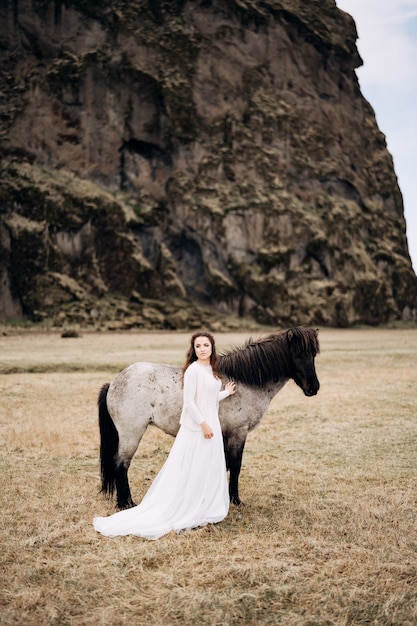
<point x="387" y="43"/>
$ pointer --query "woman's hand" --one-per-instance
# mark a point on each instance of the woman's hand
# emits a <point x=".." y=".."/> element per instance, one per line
<point x="230" y="387"/>
<point x="207" y="432"/>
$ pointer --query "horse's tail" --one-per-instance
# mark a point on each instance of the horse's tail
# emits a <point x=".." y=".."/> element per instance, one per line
<point x="109" y="444"/>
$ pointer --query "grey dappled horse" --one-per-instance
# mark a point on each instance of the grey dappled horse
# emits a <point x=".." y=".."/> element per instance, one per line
<point x="150" y="393"/>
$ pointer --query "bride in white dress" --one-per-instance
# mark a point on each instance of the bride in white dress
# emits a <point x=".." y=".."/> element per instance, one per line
<point x="191" y="488"/>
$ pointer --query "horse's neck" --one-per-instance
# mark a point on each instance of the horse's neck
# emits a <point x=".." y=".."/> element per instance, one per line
<point x="269" y="392"/>
<point x="263" y="395"/>
<point x="272" y="388"/>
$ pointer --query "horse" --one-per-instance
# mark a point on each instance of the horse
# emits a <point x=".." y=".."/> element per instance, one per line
<point x="146" y="394"/>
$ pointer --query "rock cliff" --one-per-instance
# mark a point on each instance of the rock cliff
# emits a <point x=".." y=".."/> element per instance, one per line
<point x="176" y="163"/>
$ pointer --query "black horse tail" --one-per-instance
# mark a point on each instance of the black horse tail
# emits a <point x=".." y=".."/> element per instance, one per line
<point x="109" y="444"/>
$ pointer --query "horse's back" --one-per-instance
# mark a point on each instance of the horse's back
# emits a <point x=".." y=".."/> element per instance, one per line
<point x="146" y="373"/>
<point x="146" y="393"/>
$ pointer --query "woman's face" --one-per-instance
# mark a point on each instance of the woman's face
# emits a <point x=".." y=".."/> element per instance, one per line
<point x="202" y="348"/>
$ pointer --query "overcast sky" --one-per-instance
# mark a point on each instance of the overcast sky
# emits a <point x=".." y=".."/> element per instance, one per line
<point x="387" y="43"/>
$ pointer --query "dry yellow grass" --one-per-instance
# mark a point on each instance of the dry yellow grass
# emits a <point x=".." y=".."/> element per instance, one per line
<point x="327" y="535"/>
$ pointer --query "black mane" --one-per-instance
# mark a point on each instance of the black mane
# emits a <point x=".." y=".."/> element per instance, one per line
<point x="261" y="361"/>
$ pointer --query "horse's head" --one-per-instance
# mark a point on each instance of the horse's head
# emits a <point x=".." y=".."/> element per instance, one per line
<point x="303" y="347"/>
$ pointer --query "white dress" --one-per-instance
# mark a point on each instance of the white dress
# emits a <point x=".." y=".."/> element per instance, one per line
<point x="191" y="488"/>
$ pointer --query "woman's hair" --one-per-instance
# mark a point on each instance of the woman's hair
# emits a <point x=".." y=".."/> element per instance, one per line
<point x="191" y="355"/>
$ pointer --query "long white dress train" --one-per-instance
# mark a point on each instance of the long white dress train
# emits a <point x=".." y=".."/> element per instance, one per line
<point x="191" y="488"/>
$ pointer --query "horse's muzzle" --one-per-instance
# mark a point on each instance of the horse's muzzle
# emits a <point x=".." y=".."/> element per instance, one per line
<point x="311" y="390"/>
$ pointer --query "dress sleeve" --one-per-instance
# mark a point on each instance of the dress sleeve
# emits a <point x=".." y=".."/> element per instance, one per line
<point x="190" y="389"/>
<point x="223" y="394"/>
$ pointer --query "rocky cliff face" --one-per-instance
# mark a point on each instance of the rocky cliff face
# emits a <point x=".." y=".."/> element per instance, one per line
<point x="171" y="163"/>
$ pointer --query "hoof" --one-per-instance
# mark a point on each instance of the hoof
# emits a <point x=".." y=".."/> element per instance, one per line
<point x="236" y="501"/>
<point x="125" y="505"/>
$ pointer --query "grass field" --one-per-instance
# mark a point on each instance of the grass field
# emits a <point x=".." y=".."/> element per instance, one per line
<point x="328" y="533"/>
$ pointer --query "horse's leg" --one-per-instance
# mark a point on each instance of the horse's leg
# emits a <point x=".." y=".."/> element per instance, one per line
<point x="128" y="444"/>
<point x="234" y="450"/>
<point x="124" y="497"/>
<point x="118" y="444"/>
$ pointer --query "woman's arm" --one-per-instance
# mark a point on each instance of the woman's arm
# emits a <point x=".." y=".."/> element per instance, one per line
<point x="207" y="431"/>
<point x="190" y="389"/>
<point x="229" y="390"/>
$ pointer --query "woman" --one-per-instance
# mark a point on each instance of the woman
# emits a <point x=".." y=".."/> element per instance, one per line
<point x="191" y="488"/>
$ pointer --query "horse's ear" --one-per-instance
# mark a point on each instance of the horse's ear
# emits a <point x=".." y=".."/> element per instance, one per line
<point x="292" y="340"/>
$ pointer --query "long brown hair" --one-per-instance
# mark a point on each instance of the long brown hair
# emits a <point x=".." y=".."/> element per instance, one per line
<point x="191" y="355"/>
